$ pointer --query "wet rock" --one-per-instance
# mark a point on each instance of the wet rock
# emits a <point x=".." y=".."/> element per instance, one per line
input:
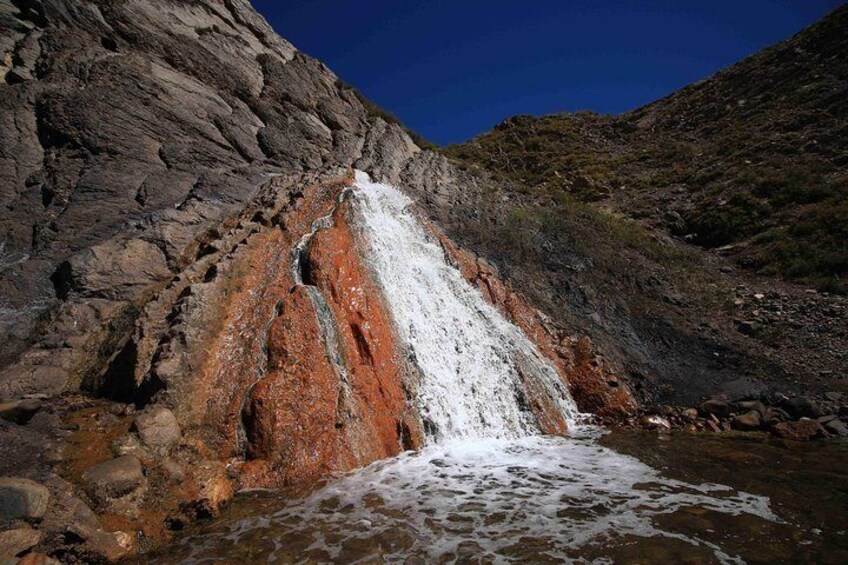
<point x="833" y="396"/>
<point x="157" y="427"/>
<point x="19" y="411"/>
<point x="800" y="407"/>
<point x="654" y="422"/>
<point x="22" y="499"/>
<point x="751" y="420"/>
<point x="16" y="541"/>
<point x="115" y="478"/>
<point x="715" y="407"/>
<point x="802" y="430"/>
<point x="748" y="405"/>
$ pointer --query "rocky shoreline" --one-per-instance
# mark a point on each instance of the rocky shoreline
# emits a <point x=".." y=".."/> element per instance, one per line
<point x="794" y="418"/>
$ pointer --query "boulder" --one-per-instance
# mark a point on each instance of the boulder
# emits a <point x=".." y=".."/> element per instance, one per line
<point x="19" y="411"/>
<point x="22" y="499"/>
<point x="802" y="430"/>
<point x="715" y="407"/>
<point x="751" y="420"/>
<point x="114" y="479"/>
<point x="157" y="427"/>
<point x="14" y="542"/>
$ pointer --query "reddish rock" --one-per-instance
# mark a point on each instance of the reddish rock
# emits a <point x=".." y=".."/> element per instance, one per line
<point x="294" y="416"/>
<point x="379" y="414"/>
<point x="749" y="421"/>
<point x="308" y="417"/>
<point x="802" y="430"/>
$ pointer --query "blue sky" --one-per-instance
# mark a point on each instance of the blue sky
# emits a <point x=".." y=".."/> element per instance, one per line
<point x="453" y="69"/>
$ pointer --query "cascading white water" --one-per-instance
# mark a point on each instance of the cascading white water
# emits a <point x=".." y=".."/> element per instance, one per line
<point x="467" y="352"/>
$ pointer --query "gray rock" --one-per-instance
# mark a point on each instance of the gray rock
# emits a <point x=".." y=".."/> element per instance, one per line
<point x="114" y="479"/>
<point x="837" y="428"/>
<point x="19" y="411"/>
<point x="157" y="427"/>
<point x="16" y="541"/>
<point x="22" y="499"/>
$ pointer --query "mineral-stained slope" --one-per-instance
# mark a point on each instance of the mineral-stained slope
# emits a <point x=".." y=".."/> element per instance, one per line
<point x="160" y="344"/>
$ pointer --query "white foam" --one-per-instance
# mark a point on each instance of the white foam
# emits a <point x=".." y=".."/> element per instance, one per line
<point x="566" y="494"/>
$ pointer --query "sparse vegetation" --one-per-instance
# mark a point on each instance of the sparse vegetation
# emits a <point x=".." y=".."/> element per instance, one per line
<point x="375" y="111"/>
<point x="753" y="158"/>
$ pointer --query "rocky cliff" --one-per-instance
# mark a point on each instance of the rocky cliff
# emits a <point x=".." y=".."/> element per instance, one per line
<point x="185" y="309"/>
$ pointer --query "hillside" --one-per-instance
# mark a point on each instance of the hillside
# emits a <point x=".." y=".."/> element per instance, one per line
<point x="750" y="162"/>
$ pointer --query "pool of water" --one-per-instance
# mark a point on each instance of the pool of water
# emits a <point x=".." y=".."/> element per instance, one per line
<point x="624" y="497"/>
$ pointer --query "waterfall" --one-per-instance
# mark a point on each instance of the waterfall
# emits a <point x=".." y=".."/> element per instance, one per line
<point x="470" y="358"/>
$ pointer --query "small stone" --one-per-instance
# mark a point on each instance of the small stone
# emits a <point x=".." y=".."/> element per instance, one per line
<point x="690" y="413"/>
<point x="19" y="411"/>
<point x="714" y="407"/>
<point x="833" y="396"/>
<point x="111" y="546"/>
<point x="22" y="499"/>
<point x="748" y="405"/>
<point x="802" y="430"/>
<point x="114" y="478"/>
<point x="14" y="542"/>
<point x="774" y="416"/>
<point x="157" y="427"/>
<point x="751" y="420"/>
<point x="654" y="423"/>
<point x="747" y="327"/>
<point x="173" y="470"/>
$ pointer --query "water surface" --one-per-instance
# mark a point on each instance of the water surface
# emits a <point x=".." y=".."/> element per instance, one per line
<point x="628" y="497"/>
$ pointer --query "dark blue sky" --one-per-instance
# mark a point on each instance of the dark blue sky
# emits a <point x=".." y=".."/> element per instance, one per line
<point x="453" y="69"/>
